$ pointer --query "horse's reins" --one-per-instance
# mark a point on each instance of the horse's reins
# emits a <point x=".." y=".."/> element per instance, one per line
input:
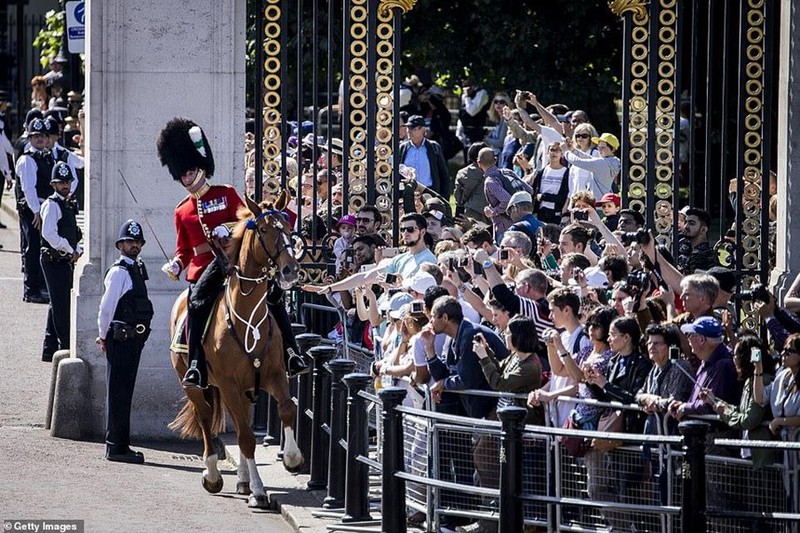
<point x="251" y="330"/>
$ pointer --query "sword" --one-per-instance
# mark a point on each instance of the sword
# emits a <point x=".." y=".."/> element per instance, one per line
<point x="121" y="175"/>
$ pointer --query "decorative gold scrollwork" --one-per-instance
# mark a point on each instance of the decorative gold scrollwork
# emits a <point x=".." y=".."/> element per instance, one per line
<point x="638" y="8"/>
<point x="386" y="6"/>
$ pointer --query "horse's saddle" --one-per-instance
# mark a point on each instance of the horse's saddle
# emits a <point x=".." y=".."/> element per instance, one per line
<point x="180" y="343"/>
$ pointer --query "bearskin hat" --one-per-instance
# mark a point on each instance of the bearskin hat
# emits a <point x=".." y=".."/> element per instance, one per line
<point x="182" y="146"/>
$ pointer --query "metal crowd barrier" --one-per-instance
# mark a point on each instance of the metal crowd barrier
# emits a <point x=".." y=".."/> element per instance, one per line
<point x="426" y="461"/>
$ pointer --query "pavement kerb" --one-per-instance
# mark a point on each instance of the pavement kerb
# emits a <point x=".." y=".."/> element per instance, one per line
<point x="287" y="492"/>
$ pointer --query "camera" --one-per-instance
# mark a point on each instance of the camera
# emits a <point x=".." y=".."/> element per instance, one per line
<point x="758" y="292"/>
<point x="417" y="308"/>
<point x="674" y="353"/>
<point x="638" y="280"/>
<point x="580" y="215"/>
<point x="391" y="279"/>
<point x="640" y="236"/>
<point x="504" y="254"/>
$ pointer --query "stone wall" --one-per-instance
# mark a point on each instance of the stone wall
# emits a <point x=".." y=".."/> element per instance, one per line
<point x="148" y="62"/>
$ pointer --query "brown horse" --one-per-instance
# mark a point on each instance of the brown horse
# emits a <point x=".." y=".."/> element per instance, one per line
<point x="243" y="346"/>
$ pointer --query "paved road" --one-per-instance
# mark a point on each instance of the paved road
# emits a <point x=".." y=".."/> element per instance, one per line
<point x="46" y="478"/>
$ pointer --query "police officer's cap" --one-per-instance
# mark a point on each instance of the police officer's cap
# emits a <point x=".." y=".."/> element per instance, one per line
<point x="36" y="127"/>
<point x="130" y="231"/>
<point x="51" y="126"/>
<point x="61" y="172"/>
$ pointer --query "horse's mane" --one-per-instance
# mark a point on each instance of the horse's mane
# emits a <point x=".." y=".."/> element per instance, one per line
<point x="243" y="214"/>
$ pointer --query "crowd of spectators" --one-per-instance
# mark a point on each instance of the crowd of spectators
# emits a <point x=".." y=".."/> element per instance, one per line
<point x="532" y="279"/>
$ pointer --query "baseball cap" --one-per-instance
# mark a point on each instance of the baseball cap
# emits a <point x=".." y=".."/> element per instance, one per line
<point x="608" y="138"/>
<point x="415" y="121"/>
<point x="609" y="197"/>
<point x="725" y="277"/>
<point x="519" y="197"/>
<point x="395" y="302"/>
<point x="419" y="282"/>
<point x="706" y="326"/>
<point x="347" y="219"/>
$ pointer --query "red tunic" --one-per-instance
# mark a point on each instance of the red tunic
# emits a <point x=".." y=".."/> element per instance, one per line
<point x="218" y="206"/>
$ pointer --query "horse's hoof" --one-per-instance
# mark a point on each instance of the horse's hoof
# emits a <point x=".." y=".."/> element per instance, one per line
<point x="243" y="487"/>
<point x="211" y="486"/>
<point x="294" y="469"/>
<point x="258" y="502"/>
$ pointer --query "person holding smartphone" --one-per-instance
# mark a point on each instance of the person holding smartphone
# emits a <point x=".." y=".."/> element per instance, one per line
<point x="750" y="412"/>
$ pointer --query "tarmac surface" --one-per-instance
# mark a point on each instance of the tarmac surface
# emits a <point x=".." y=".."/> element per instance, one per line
<point x="42" y="477"/>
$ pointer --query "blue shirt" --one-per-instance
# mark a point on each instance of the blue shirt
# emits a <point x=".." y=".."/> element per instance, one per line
<point x="418" y="159"/>
<point x="407" y="264"/>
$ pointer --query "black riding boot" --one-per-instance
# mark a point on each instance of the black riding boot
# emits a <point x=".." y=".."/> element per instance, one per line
<point x="202" y="297"/>
<point x="197" y="375"/>
<point x="295" y="364"/>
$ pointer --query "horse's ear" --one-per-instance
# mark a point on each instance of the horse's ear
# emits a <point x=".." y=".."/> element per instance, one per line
<point x="283" y="200"/>
<point x="252" y="206"/>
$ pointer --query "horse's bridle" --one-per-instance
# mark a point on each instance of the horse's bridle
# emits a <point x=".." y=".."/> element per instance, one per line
<point x="281" y="244"/>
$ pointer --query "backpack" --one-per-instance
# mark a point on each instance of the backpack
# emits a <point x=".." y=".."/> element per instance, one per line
<point x="511" y="182"/>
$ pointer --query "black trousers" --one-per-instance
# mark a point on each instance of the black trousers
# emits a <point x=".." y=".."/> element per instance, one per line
<point x="122" y="365"/>
<point x="31" y="243"/>
<point x="58" y="277"/>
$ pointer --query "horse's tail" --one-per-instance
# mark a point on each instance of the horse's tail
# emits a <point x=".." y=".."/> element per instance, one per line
<point x="187" y="422"/>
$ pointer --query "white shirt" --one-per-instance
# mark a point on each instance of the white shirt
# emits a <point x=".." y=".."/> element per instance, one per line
<point x="26" y="170"/>
<point x="5" y="149"/>
<point x="51" y="214"/>
<point x="117" y="282"/>
<point x="560" y="410"/>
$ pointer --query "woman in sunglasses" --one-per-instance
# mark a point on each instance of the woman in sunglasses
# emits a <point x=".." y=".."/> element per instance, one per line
<point x="580" y="179"/>
<point x="496" y="137"/>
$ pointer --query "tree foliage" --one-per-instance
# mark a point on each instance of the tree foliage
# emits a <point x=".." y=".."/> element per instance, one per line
<point x="48" y="41"/>
<point x="566" y="52"/>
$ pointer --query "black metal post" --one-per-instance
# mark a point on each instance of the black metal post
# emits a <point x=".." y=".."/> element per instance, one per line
<point x="322" y="412"/>
<point x="393" y="502"/>
<point x="693" y="507"/>
<point x="511" y="518"/>
<point x="338" y="417"/>
<point x="356" y="497"/>
<point x="305" y="341"/>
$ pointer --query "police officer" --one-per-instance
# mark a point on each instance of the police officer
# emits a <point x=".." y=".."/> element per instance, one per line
<point x="123" y="324"/>
<point x="34" y="169"/>
<point x="59" y="251"/>
<point x="200" y="222"/>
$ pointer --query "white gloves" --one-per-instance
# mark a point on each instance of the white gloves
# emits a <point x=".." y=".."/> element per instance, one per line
<point x="172" y="269"/>
<point x="221" y="232"/>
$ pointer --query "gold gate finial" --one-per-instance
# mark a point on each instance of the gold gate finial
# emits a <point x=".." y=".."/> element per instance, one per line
<point x="637" y="7"/>
<point x="404" y="5"/>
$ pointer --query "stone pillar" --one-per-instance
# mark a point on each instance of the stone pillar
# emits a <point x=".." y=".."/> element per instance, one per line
<point x="147" y="62"/>
<point x="787" y="265"/>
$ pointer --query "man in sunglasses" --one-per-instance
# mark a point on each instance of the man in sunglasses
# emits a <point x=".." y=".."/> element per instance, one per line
<point x="413" y="228"/>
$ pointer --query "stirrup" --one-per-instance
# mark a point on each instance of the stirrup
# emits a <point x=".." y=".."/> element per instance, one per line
<point x="193" y="380"/>
<point x="296" y="366"/>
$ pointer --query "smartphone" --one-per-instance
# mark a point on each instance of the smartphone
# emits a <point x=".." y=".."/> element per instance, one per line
<point x="674" y="352"/>
<point x="451" y="264"/>
<point x="576" y="272"/>
<point x="349" y="256"/>
<point x="463" y="262"/>
<point x="580" y="215"/>
<point x="477" y="268"/>
<point x="504" y="254"/>
<point x="755" y="355"/>
<point x="389" y="252"/>
<point x="391" y="279"/>
<point x="417" y="308"/>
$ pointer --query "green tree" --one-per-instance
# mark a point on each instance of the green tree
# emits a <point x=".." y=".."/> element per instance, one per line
<point x="48" y="41"/>
<point x="567" y="52"/>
